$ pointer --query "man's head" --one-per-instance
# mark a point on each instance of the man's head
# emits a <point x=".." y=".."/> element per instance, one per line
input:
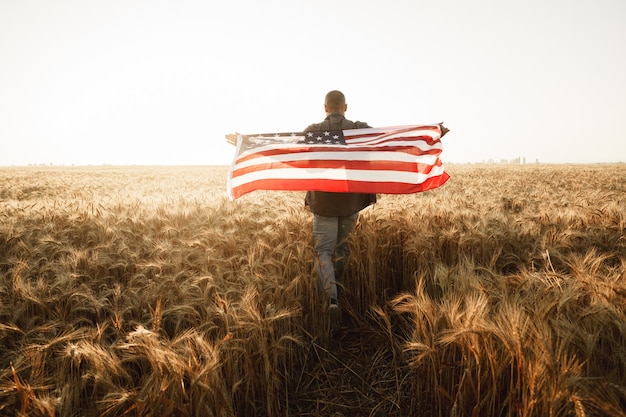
<point x="335" y="102"/>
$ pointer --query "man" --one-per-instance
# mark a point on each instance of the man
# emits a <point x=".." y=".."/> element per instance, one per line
<point x="334" y="214"/>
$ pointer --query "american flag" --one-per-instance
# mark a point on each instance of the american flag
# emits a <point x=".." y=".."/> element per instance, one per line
<point x="388" y="160"/>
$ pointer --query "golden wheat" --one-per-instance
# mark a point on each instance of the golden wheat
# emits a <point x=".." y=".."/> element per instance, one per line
<point x="143" y="291"/>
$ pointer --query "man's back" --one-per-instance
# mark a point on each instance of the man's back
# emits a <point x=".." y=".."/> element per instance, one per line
<point x="331" y="204"/>
<point x="335" y="121"/>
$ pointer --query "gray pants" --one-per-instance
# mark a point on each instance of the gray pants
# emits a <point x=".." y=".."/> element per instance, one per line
<point x="331" y="250"/>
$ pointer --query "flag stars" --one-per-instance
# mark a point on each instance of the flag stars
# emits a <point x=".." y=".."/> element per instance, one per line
<point x="326" y="137"/>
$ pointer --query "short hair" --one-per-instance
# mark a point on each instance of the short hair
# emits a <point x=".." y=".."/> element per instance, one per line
<point x="335" y="100"/>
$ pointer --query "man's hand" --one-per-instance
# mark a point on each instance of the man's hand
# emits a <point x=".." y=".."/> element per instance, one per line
<point x="444" y="129"/>
<point x="232" y="138"/>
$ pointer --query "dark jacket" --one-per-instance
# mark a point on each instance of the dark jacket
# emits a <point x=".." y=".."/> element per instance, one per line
<point x="331" y="204"/>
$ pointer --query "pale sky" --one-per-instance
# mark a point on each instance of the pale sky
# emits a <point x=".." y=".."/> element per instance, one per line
<point x="153" y="82"/>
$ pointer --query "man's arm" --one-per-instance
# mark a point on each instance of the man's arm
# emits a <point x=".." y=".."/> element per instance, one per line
<point x="232" y="138"/>
<point x="444" y="129"/>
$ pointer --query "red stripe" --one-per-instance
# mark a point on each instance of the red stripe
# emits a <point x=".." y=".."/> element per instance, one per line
<point x="411" y="150"/>
<point x="341" y="186"/>
<point x="340" y="164"/>
<point x="380" y="139"/>
<point x="335" y="148"/>
<point x="391" y="130"/>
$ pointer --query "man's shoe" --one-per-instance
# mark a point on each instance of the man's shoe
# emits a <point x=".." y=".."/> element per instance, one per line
<point x="334" y="317"/>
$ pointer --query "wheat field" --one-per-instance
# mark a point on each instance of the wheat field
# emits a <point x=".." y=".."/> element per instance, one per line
<point x="144" y="291"/>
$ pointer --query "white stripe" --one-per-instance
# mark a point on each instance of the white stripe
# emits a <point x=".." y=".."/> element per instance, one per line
<point x="295" y="174"/>
<point x="388" y="129"/>
<point x="352" y="136"/>
<point x="348" y="136"/>
<point x="341" y="149"/>
<point x="399" y="140"/>
<point x="347" y="156"/>
<point x="382" y="141"/>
